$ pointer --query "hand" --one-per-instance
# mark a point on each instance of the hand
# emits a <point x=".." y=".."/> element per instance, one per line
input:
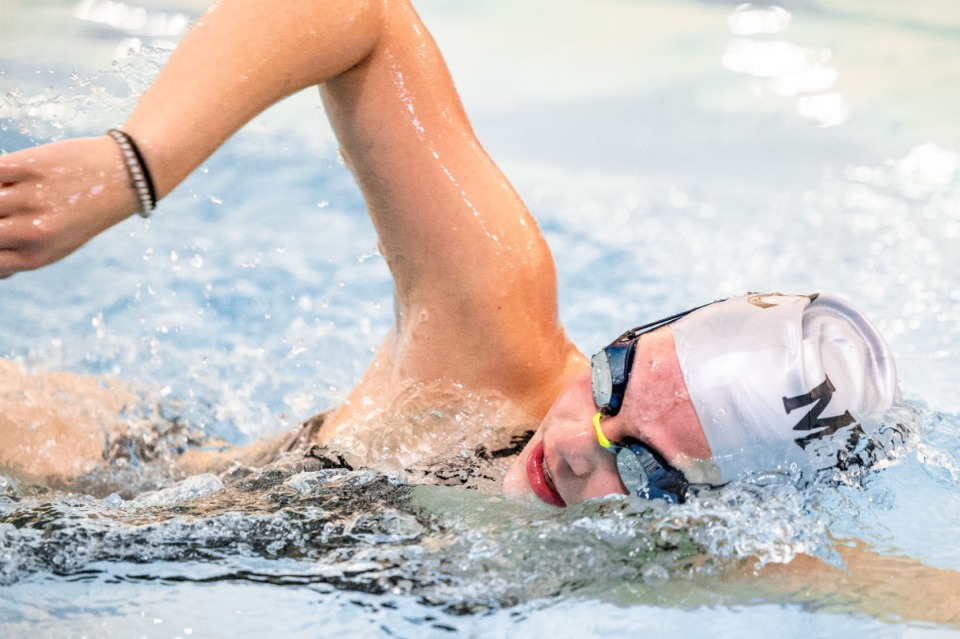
<point x="55" y="197"/>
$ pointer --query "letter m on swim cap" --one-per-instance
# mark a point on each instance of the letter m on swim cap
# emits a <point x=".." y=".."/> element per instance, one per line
<point x="812" y="421"/>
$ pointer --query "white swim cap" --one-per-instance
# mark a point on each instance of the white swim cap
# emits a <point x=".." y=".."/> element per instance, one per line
<point x="783" y="382"/>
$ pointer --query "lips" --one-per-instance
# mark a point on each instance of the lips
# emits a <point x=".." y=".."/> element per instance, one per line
<point x="542" y="488"/>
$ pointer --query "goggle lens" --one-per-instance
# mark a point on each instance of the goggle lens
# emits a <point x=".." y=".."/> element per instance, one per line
<point x="601" y="380"/>
<point x="632" y="473"/>
<point x="643" y="473"/>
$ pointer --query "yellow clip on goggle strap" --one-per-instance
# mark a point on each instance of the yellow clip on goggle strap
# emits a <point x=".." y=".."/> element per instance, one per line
<point x="600" y="436"/>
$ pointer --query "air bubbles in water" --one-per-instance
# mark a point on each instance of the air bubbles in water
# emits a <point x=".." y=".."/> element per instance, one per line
<point x="655" y="575"/>
<point x="113" y="500"/>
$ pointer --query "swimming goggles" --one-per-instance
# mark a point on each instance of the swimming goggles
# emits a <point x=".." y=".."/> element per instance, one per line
<point x="644" y="472"/>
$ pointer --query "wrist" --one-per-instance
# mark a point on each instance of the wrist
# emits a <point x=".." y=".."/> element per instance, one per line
<point x="137" y="170"/>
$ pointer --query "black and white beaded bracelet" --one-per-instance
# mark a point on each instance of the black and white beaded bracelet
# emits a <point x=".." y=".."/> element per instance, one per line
<point x="137" y="170"/>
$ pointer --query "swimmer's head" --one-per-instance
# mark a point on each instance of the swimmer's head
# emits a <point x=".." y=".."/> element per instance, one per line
<point x="756" y="383"/>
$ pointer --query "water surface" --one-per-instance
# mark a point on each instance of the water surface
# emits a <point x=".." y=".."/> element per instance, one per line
<point x="672" y="152"/>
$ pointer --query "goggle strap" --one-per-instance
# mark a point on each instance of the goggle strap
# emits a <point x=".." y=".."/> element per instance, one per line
<point x="640" y="330"/>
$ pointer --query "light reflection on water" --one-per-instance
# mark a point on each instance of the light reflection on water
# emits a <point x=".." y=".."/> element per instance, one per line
<point x="686" y="161"/>
<point x="790" y="69"/>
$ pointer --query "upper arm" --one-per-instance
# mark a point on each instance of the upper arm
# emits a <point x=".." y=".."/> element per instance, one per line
<point x="475" y="281"/>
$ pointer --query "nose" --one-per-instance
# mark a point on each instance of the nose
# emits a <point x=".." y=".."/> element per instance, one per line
<point x="588" y="469"/>
<point x="577" y="446"/>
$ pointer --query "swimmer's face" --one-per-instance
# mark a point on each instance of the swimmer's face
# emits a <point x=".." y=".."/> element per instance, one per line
<point x="564" y="463"/>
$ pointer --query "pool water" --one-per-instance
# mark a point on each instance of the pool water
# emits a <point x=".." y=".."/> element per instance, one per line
<point x="673" y="152"/>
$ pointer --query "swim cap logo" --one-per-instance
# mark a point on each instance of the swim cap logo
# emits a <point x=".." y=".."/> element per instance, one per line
<point x="821" y="394"/>
<point x="759" y="299"/>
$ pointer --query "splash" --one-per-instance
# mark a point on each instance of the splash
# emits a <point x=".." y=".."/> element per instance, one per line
<point x="86" y="102"/>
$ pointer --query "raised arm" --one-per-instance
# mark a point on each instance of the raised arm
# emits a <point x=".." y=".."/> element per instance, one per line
<point x="476" y="291"/>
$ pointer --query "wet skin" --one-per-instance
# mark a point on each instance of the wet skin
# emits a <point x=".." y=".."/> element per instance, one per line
<point x="564" y="464"/>
<point x="475" y="282"/>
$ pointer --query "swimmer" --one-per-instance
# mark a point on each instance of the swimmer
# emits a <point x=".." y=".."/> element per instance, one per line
<point x="753" y="383"/>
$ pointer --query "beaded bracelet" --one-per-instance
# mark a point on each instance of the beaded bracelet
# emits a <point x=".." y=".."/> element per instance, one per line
<point x="137" y="170"/>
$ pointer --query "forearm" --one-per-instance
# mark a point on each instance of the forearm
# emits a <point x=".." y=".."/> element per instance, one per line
<point x="873" y="584"/>
<point x="241" y="57"/>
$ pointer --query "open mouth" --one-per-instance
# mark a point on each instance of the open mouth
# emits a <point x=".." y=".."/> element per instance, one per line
<point x="540" y="482"/>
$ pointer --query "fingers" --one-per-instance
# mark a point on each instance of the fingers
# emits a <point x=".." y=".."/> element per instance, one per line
<point x="26" y="223"/>
<point x="13" y="200"/>
<point x="25" y="253"/>
<point x="12" y="262"/>
<point x="25" y="237"/>
<point x="7" y="182"/>
<point x="9" y="261"/>
<point x="13" y="169"/>
<point x="19" y="234"/>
